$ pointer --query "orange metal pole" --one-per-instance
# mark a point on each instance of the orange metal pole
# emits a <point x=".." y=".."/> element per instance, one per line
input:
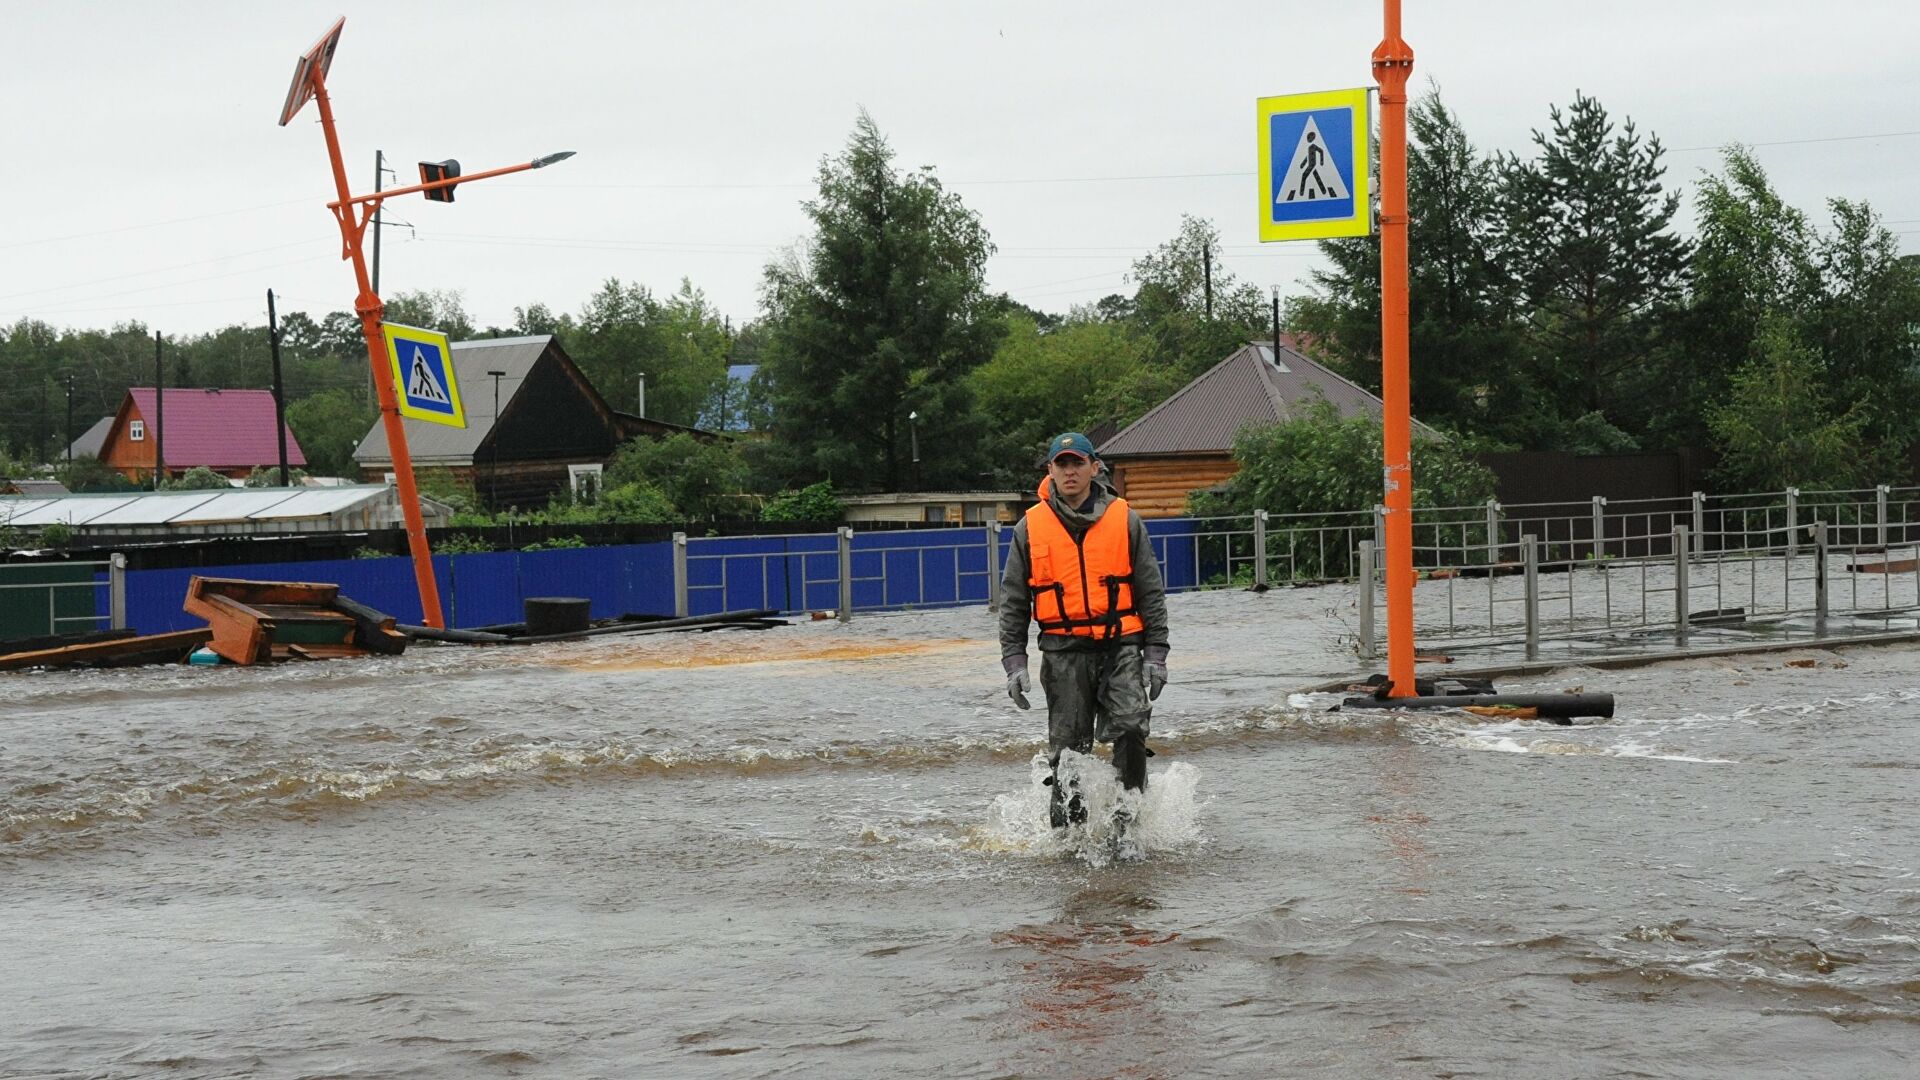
<point x="1392" y="63"/>
<point x="370" y="309"/>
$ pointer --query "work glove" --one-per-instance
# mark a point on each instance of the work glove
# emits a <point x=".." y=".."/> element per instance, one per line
<point x="1156" y="657"/>
<point x="1018" y="684"/>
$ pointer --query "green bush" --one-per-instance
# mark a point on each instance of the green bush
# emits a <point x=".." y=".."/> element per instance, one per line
<point x="264" y="476"/>
<point x="442" y="486"/>
<point x="1322" y="468"/>
<point x="702" y="480"/>
<point x="56" y="535"/>
<point x="815" y="502"/>
<point x="365" y="552"/>
<point x="88" y="475"/>
<point x="198" y="478"/>
<point x="555" y="544"/>
<point x="461" y="544"/>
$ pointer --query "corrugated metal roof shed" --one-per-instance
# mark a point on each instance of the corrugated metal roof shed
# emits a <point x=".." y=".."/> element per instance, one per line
<point x="194" y="513"/>
<point x="1255" y="387"/>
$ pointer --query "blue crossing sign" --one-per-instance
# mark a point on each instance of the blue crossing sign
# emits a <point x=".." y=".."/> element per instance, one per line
<point x="1316" y="167"/>
<point x="423" y="376"/>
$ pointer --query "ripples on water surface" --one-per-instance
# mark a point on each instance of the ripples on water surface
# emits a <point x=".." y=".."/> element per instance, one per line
<point x="819" y="851"/>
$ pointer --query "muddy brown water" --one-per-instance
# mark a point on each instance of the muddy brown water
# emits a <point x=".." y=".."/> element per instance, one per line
<point x="819" y="851"/>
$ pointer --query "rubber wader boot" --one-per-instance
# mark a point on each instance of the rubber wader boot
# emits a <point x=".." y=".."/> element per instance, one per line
<point x="1130" y="761"/>
<point x="1064" y="807"/>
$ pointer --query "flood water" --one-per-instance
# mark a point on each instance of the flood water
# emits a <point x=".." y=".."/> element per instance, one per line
<point x="819" y="851"/>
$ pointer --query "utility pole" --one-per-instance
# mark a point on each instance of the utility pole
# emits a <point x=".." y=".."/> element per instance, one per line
<point x="1276" y="323"/>
<point x="643" y="396"/>
<point x="379" y="172"/>
<point x="279" y="388"/>
<point x="159" y="413"/>
<point x="1206" y="260"/>
<point x="69" y="424"/>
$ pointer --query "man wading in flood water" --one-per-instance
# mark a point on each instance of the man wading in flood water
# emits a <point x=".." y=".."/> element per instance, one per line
<point x="1082" y="568"/>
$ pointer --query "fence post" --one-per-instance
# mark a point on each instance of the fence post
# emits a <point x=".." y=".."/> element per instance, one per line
<point x="1260" y="549"/>
<point x="1530" y="564"/>
<point x="993" y="566"/>
<point x="1681" y="589"/>
<point x="1493" y="531"/>
<point x="1366" y="599"/>
<point x="117" y="591"/>
<point x="1699" y="521"/>
<point x="1599" y="527"/>
<point x="1880" y="514"/>
<point x="1793" y="522"/>
<point x="1819" y="578"/>
<point x="1379" y="527"/>
<point x="680" y="575"/>
<point x="845" y="534"/>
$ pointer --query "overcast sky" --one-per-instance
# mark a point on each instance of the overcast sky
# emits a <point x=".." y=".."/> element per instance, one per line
<point x="146" y="179"/>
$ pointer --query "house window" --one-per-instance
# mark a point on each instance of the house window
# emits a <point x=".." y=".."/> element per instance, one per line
<point x="137" y="430"/>
<point x="934" y="514"/>
<point x="584" y="481"/>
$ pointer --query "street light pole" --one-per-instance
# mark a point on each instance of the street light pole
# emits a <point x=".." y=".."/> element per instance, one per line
<point x="913" y="430"/>
<point x="1392" y="63"/>
<point x="353" y="214"/>
<point x="493" y="439"/>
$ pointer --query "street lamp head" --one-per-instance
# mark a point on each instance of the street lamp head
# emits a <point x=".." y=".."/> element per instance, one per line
<point x="543" y="162"/>
<point x="914" y="416"/>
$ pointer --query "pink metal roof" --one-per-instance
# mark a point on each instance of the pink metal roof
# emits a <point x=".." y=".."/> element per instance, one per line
<point x="223" y="429"/>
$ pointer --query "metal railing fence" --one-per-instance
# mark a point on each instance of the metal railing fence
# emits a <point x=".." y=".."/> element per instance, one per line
<point x="46" y="599"/>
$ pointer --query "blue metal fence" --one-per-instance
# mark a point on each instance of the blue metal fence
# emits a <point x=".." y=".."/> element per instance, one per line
<point x="890" y="571"/>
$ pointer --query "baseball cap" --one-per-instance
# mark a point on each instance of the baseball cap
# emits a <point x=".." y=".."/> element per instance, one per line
<point x="1071" y="442"/>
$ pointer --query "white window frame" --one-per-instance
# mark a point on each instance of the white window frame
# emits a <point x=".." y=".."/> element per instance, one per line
<point x="136" y="431"/>
<point x="577" y="473"/>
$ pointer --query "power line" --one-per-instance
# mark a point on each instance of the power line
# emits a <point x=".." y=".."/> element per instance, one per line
<point x="154" y="224"/>
<point x="158" y="270"/>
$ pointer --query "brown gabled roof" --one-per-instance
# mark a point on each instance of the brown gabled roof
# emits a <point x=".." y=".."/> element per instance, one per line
<point x="1255" y="387"/>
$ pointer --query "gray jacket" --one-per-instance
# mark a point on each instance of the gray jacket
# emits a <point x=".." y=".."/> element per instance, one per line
<point x="1016" y="596"/>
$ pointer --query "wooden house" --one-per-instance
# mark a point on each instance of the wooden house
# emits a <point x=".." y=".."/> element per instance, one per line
<point x="231" y="432"/>
<point x="1185" y="443"/>
<point x="535" y="429"/>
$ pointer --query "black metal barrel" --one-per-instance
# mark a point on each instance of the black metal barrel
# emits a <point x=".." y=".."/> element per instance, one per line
<point x="556" y="615"/>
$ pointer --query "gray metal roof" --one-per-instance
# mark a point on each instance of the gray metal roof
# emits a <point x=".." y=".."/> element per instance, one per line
<point x="95" y="437"/>
<point x="1257" y="386"/>
<point x="438" y="444"/>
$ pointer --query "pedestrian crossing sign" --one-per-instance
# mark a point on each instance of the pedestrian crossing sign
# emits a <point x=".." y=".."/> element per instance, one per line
<point x="422" y="362"/>
<point x="1316" y="165"/>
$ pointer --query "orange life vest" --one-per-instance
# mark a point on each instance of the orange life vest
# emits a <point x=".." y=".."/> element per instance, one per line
<point x="1083" y="589"/>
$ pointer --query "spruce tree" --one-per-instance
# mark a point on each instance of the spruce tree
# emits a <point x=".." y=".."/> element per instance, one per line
<point x="1585" y="230"/>
<point x="879" y="316"/>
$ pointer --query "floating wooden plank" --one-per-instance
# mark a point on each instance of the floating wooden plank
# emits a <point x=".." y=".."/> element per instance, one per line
<point x="121" y="652"/>
<point x="1889" y="566"/>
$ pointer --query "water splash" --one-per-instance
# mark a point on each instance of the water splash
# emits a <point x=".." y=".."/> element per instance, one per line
<point x="1164" y="818"/>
